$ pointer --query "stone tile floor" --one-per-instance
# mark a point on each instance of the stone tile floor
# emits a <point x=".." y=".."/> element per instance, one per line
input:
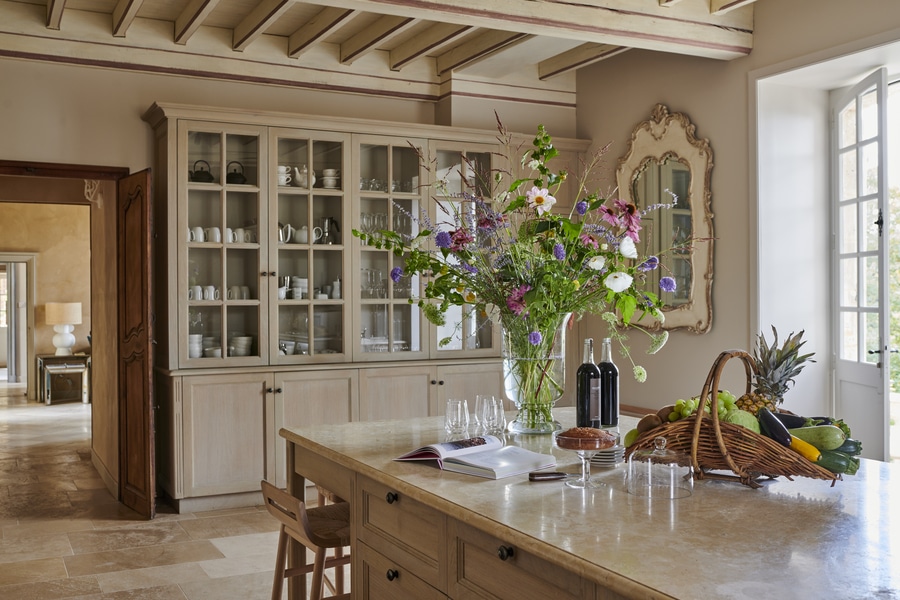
<point x="63" y="535"/>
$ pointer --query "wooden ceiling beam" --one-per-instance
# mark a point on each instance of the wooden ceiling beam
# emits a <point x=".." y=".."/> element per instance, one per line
<point x="191" y="18"/>
<point x="54" y="13"/>
<point x="256" y="23"/>
<point x="325" y="21"/>
<point x="123" y="16"/>
<point x="720" y="7"/>
<point x="683" y="28"/>
<point x="429" y="40"/>
<point x="477" y="49"/>
<point x="576" y="58"/>
<point x="378" y="32"/>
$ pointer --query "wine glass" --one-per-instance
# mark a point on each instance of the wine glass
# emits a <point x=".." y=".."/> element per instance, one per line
<point x="585" y="449"/>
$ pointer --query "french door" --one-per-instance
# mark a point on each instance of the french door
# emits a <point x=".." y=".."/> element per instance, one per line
<point x="861" y="323"/>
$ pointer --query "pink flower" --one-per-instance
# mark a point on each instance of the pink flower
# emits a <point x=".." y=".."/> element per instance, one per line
<point x="589" y="240"/>
<point x="515" y="302"/>
<point x="459" y="239"/>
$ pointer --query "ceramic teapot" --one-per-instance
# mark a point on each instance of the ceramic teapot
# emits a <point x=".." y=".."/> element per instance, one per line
<point x="237" y="175"/>
<point x="301" y="177"/>
<point x="200" y="175"/>
<point x="285" y="233"/>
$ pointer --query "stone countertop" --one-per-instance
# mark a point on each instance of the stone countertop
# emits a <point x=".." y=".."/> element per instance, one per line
<point x="788" y="539"/>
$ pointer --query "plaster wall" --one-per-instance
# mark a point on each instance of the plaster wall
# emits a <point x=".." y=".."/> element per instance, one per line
<point x="616" y="94"/>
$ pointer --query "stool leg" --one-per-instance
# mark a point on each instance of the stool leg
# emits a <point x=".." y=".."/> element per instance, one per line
<point x="318" y="581"/>
<point x="279" y="564"/>
<point x="339" y="573"/>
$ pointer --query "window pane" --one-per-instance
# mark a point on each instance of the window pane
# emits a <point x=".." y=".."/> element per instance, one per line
<point x="869" y="211"/>
<point x="849" y="337"/>
<point x="848" y="175"/>
<point x="847" y="130"/>
<point x="871" y="341"/>
<point x="848" y="228"/>
<point x="870" y="168"/>
<point x="869" y="107"/>
<point x="870" y="281"/>
<point x="849" y="294"/>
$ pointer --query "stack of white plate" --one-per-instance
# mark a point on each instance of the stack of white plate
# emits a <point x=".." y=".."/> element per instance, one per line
<point x="609" y="457"/>
<point x="241" y="345"/>
<point x="195" y="345"/>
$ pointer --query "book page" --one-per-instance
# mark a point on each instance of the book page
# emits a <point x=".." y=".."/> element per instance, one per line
<point x="442" y="450"/>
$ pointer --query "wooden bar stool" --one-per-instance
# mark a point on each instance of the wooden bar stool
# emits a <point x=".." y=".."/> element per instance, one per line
<point x="320" y="528"/>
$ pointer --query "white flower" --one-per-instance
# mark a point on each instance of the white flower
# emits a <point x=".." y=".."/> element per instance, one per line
<point x="657" y="342"/>
<point x="597" y="263"/>
<point x="627" y="248"/>
<point x="640" y="374"/>
<point x="618" y="282"/>
<point x="540" y="199"/>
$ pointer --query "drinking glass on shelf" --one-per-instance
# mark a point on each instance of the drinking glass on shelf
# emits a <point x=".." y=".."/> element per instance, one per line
<point x="493" y="417"/>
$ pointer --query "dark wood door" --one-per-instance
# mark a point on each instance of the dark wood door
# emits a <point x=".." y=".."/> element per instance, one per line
<point x="137" y="473"/>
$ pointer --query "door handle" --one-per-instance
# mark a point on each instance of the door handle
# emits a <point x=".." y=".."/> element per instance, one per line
<point x="891" y="351"/>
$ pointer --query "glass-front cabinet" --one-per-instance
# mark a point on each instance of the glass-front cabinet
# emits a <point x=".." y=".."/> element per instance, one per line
<point x="464" y="170"/>
<point x="223" y="320"/>
<point x="389" y="179"/>
<point x="309" y="214"/>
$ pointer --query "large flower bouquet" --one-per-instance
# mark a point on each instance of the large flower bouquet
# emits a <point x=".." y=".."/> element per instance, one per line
<point x="528" y="267"/>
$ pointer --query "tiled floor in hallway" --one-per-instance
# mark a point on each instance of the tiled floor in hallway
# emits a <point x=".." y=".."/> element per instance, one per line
<point x="63" y="535"/>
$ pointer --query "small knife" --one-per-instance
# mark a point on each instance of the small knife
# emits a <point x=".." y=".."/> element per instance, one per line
<point x="547" y="475"/>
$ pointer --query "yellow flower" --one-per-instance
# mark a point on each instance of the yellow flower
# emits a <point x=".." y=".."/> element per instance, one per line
<point x="470" y="296"/>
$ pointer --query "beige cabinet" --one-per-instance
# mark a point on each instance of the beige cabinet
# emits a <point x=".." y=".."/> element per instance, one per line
<point x="398" y="392"/>
<point x="304" y="398"/>
<point x="228" y="436"/>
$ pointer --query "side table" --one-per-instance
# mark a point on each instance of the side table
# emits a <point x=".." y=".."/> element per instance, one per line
<point x="64" y="378"/>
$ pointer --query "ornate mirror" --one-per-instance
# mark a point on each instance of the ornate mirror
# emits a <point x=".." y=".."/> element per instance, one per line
<point x="667" y="164"/>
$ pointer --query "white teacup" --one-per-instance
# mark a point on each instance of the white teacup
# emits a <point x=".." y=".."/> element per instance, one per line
<point x="230" y="236"/>
<point x="234" y="292"/>
<point x="329" y="173"/>
<point x="210" y="292"/>
<point x="284" y="179"/>
<point x="213" y="234"/>
<point x="195" y="293"/>
<point x="240" y="234"/>
<point x="245" y="292"/>
<point x="282" y="293"/>
<point x="197" y="235"/>
<point x="283" y="169"/>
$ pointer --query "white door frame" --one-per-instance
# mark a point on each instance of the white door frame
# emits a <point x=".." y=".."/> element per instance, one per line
<point x="30" y="260"/>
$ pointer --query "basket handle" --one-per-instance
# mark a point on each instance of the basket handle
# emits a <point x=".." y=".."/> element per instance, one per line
<point x="710" y="391"/>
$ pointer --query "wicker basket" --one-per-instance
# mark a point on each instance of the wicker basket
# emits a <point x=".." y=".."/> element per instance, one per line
<point x="716" y="446"/>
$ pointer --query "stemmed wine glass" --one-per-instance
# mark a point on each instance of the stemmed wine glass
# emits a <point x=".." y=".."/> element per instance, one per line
<point x="585" y="448"/>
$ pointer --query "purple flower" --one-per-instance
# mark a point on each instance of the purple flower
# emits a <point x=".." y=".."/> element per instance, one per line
<point x="650" y="264"/>
<point x="469" y="268"/>
<point x="667" y="284"/>
<point x="559" y="252"/>
<point x="443" y="239"/>
<point x="535" y="337"/>
<point x="396" y="274"/>
<point x="581" y="207"/>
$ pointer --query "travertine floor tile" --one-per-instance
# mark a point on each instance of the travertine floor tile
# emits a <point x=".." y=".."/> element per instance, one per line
<point x="238" y="524"/>
<point x="139" y="558"/>
<point x="51" y="590"/>
<point x="142" y="534"/>
<point x="34" y="547"/>
<point x="256" y="586"/>
<point x="151" y="577"/>
<point x="28" y="571"/>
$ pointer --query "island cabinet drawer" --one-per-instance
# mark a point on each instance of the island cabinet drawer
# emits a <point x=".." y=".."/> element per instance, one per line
<point x="483" y="566"/>
<point x="376" y="577"/>
<point x="404" y="530"/>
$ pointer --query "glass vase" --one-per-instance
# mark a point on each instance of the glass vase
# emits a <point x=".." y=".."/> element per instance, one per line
<point x="534" y="371"/>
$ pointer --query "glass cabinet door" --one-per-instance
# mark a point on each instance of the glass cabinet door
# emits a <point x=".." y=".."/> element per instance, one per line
<point x="387" y="325"/>
<point x="220" y="269"/>
<point x="307" y="226"/>
<point x="466" y="169"/>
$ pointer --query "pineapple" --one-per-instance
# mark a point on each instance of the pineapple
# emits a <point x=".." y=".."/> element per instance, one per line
<point x="777" y="368"/>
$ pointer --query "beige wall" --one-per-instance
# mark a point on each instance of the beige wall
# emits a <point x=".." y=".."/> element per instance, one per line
<point x="616" y="94"/>
<point x="61" y="237"/>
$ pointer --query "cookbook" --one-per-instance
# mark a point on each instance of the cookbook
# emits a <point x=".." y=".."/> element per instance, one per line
<point x="483" y="456"/>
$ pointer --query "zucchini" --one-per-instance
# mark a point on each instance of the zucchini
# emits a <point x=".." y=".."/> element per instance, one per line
<point x="823" y="437"/>
<point x="773" y="428"/>
<point x="805" y="449"/>
<point x="791" y="421"/>
<point x="850" y="446"/>
<point x="854" y="465"/>
<point x="836" y="462"/>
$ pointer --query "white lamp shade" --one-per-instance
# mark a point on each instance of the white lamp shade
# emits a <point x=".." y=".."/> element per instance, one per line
<point x="63" y="313"/>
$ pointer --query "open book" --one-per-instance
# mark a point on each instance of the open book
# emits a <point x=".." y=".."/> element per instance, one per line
<point x="484" y="456"/>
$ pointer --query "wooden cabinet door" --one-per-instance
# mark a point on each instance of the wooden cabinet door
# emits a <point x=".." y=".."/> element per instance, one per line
<point x="304" y="398"/>
<point x="397" y="392"/>
<point x="228" y="433"/>
<point x="468" y="381"/>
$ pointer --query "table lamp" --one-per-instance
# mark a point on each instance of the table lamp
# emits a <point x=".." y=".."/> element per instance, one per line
<point x="63" y="316"/>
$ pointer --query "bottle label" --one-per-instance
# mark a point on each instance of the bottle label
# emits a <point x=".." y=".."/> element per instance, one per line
<point x="594" y="410"/>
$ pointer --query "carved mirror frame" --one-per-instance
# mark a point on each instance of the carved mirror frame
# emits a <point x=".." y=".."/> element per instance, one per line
<point x="671" y="136"/>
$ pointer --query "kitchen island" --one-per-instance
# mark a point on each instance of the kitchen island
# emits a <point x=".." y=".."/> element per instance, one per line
<point x="419" y="532"/>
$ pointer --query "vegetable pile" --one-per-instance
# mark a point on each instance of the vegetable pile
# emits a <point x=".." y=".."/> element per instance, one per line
<point x="825" y="441"/>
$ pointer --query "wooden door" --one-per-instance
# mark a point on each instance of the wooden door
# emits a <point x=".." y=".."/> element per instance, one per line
<point x="137" y="473"/>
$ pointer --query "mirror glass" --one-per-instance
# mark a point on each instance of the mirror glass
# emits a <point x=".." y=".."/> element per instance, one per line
<point x="667" y="164"/>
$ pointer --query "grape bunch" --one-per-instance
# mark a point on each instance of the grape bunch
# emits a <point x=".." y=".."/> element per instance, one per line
<point x="685" y="408"/>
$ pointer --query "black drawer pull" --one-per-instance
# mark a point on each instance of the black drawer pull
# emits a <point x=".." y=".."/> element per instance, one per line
<point x="269" y="390"/>
<point x="505" y="552"/>
<point x="392" y="574"/>
<point x="391" y="497"/>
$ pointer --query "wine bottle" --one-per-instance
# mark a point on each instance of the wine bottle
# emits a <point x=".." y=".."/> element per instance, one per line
<point x="609" y="387"/>
<point x="587" y="389"/>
